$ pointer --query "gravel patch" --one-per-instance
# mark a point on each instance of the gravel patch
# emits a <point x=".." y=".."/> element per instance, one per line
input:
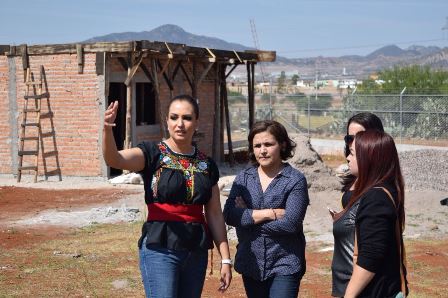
<point x="425" y="169"/>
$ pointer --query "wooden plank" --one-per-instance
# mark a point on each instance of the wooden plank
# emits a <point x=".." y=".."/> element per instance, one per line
<point x="28" y="168"/>
<point x="194" y="87"/>
<point x="28" y="152"/>
<point x="250" y="98"/>
<point x="99" y="63"/>
<point x="165" y="76"/>
<point x="161" y="47"/>
<point x="153" y="48"/>
<point x="71" y="48"/>
<point x="226" y="113"/>
<point x="186" y="76"/>
<point x="176" y="69"/>
<point x="80" y="58"/>
<point x="128" y="136"/>
<point x="205" y="72"/>
<point x="156" y="86"/>
<point x="216" y="121"/>
<point x="123" y="63"/>
<point x="25" y="63"/>
<point x="231" y="70"/>
<point x="264" y="56"/>
<point x="147" y="72"/>
<point x="134" y="69"/>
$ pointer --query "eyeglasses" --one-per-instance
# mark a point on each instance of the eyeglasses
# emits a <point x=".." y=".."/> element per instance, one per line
<point x="349" y="139"/>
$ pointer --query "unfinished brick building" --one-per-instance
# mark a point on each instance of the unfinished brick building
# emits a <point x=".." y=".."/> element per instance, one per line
<point x="79" y="81"/>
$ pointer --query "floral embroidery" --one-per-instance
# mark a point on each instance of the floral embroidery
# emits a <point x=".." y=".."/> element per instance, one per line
<point x="189" y="165"/>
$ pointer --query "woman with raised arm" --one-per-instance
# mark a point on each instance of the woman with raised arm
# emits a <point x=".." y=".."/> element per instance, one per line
<point x="267" y="205"/>
<point x="180" y="187"/>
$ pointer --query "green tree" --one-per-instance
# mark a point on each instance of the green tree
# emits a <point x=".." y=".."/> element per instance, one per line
<point x="294" y="79"/>
<point x="417" y="80"/>
<point x="423" y="85"/>
<point x="281" y="81"/>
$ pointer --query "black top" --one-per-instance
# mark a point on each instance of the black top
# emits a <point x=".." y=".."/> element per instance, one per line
<point x="344" y="236"/>
<point x="377" y="247"/>
<point x="175" y="178"/>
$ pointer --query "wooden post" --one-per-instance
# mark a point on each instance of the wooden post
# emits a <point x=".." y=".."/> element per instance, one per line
<point x="156" y="86"/>
<point x="127" y="142"/>
<point x="250" y="90"/>
<point x="25" y="61"/>
<point x="216" y="151"/>
<point x="222" y="89"/>
<point x="194" y="87"/>
<point x="79" y="55"/>
<point x="226" y="114"/>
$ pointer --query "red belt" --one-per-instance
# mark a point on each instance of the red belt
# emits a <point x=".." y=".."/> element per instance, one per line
<point x="175" y="212"/>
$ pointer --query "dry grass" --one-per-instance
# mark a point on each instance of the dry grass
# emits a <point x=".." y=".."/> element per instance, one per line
<point x="102" y="261"/>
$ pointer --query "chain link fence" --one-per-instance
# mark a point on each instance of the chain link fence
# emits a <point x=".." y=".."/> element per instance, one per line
<point x="408" y="118"/>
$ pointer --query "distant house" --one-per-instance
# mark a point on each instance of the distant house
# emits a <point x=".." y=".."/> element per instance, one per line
<point x="347" y="83"/>
<point x="82" y="79"/>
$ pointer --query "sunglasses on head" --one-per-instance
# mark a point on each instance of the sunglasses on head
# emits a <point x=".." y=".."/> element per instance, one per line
<point x="349" y="139"/>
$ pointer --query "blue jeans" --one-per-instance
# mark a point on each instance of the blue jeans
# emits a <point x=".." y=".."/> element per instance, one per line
<point x="169" y="273"/>
<point x="280" y="286"/>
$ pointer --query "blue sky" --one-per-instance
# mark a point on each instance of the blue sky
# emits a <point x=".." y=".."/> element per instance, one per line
<point x="293" y="28"/>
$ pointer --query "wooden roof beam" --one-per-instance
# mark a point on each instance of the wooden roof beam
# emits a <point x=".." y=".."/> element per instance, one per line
<point x="152" y="47"/>
<point x="134" y="68"/>
<point x="264" y="56"/>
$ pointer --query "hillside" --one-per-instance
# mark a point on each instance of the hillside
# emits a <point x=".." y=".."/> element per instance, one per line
<point x="354" y="65"/>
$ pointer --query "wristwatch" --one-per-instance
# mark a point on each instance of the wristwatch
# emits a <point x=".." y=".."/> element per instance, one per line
<point x="227" y="261"/>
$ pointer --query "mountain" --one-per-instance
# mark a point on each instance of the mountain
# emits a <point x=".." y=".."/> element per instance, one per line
<point x="352" y="65"/>
<point x="387" y="51"/>
<point x="174" y="34"/>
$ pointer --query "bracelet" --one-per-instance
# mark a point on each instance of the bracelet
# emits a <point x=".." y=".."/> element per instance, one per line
<point x="275" y="214"/>
<point x="227" y="261"/>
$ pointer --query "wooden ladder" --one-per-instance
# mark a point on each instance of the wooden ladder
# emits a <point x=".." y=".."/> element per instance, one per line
<point x="33" y="91"/>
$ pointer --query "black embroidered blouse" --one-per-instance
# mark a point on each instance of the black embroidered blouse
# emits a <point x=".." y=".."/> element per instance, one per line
<point x="175" y="178"/>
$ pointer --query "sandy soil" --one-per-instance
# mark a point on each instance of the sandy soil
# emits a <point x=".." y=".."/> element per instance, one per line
<point x="32" y="213"/>
<point x="78" y="201"/>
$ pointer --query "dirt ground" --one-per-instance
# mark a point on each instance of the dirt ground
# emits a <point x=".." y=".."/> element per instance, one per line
<point x="30" y="253"/>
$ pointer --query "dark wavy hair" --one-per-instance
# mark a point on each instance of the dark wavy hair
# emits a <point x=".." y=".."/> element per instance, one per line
<point x="189" y="99"/>
<point x="278" y="131"/>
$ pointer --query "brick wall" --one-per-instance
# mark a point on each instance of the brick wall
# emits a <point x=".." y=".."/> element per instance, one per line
<point x="206" y="96"/>
<point x="76" y="106"/>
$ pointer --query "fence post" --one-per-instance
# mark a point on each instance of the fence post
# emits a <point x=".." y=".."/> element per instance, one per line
<point x="309" y="116"/>
<point x="401" y="114"/>
<point x="270" y="98"/>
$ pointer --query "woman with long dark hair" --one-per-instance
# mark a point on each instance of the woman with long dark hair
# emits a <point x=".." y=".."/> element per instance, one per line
<point x="182" y="196"/>
<point x="344" y="226"/>
<point x="379" y="261"/>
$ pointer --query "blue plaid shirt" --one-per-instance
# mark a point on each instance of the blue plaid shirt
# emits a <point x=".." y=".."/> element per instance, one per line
<point x="273" y="247"/>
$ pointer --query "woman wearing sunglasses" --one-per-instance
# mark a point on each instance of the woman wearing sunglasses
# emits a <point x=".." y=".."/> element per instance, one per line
<point x="344" y="226"/>
<point x="379" y="268"/>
